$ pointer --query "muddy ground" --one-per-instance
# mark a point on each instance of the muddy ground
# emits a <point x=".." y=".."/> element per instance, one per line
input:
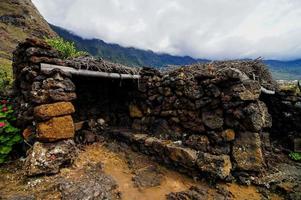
<point x="112" y="171"/>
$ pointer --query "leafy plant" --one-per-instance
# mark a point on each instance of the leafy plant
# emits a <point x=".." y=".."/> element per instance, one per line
<point x="66" y="48"/>
<point x="296" y="156"/>
<point x="9" y="135"/>
<point x="6" y="77"/>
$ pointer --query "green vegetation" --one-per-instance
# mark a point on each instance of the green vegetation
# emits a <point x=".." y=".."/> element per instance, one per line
<point x="296" y="156"/>
<point x="6" y="75"/>
<point x="66" y="48"/>
<point x="9" y="135"/>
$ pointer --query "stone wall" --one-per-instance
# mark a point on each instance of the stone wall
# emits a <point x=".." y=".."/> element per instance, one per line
<point x="205" y="117"/>
<point x="44" y="108"/>
<point x="210" y="109"/>
<point x="285" y="108"/>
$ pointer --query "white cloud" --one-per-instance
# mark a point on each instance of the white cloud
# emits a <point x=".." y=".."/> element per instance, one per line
<point x="215" y="29"/>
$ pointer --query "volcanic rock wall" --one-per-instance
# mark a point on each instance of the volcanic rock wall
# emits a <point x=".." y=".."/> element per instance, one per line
<point x="44" y="108"/>
<point x="211" y="109"/>
<point x="206" y="117"/>
<point x="285" y="108"/>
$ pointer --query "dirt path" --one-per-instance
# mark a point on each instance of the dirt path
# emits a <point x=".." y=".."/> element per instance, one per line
<point x="136" y="175"/>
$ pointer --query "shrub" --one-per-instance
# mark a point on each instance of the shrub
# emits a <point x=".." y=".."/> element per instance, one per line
<point x="295" y="156"/>
<point x="9" y="135"/>
<point x="66" y="48"/>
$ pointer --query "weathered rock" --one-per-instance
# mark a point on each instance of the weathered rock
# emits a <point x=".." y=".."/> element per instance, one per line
<point x="56" y="128"/>
<point x="135" y="112"/>
<point x="212" y="90"/>
<point x="39" y="96"/>
<point x="34" y="51"/>
<point x="48" y="158"/>
<point x="148" y="177"/>
<point x="200" y="193"/>
<point x="213" y="120"/>
<point x="185" y="156"/>
<point x="218" y="166"/>
<point x="265" y="141"/>
<point x="48" y="111"/>
<point x="257" y="116"/>
<point x="194" y="193"/>
<point x="65" y="84"/>
<point x="248" y="90"/>
<point x="161" y="128"/>
<point x="93" y="184"/>
<point x="220" y="149"/>
<point x="247" y="151"/>
<point x="198" y="142"/>
<point x="61" y="95"/>
<point x="228" y="135"/>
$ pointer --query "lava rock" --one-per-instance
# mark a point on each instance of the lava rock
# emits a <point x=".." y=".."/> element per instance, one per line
<point x="213" y="119"/>
<point x="217" y="166"/>
<point x="182" y="155"/>
<point x="257" y="116"/>
<point x="48" y="158"/>
<point x="198" y="142"/>
<point x="148" y="177"/>
<point x="247" y="151"/>
<point x="56" y="128"/>
<point x="93" y="184"/>
<point x="61" y="95"/>
<point x="48" y="111"/>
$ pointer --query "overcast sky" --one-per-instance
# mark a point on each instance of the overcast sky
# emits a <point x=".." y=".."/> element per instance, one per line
<point x="214" y="29"/>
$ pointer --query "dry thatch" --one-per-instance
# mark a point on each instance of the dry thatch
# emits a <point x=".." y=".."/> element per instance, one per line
<point x="254" y="69"/>
<point x="98" y="64"/>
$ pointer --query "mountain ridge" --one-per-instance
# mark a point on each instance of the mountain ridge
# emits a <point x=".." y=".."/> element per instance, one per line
<point x="137" y="57"/>
<point x="126" y="55"/>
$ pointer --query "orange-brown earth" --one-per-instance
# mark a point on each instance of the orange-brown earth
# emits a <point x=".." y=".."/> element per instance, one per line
<point x="122" y="165"/>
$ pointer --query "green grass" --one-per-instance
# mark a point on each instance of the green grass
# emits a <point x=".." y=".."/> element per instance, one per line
<point x="6" y="73"/>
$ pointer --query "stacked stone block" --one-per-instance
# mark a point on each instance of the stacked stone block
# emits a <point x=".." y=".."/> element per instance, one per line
<point x="212" y="109"/>
<point x="45" y="108"/>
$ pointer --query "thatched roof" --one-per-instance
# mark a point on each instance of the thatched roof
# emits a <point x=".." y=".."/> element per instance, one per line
<point x="100" y="65"/>
<point x="254" y="69"/>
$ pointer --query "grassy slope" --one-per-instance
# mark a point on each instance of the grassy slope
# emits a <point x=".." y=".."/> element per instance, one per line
<point x="24" y="21"/>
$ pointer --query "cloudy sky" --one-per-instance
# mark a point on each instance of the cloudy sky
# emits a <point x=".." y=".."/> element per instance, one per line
<point x="214" y="29"/>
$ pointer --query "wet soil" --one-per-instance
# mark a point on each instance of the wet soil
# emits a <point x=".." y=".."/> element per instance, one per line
<point x="137" y="178"/>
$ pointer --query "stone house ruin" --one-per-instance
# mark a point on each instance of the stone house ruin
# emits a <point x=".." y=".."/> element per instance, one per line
<point x="205" y="119"/>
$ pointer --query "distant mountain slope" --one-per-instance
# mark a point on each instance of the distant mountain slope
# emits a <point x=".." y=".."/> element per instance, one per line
<point x="128" y="56"/>
<point x="19" y="19"/>
<point x="289" y="70"/>
<point x="286" y="70"/>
